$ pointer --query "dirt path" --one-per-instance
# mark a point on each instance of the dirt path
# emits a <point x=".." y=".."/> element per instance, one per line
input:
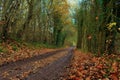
<point x="42" y="67"/>
<point x="53" y="71"/>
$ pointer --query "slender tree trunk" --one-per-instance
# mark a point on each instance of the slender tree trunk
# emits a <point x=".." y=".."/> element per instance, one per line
<point x="29" y="18"/>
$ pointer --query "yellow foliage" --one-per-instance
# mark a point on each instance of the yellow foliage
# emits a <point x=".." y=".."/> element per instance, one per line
<point x="110" y="25"/>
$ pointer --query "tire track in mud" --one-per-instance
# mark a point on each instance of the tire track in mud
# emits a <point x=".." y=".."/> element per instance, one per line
<point x="21" y="70"/>
<point x="54" y="71"/>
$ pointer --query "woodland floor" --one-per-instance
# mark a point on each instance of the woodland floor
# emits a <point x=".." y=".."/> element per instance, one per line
<point x="57" y="64"/>
<point x="86" y="66"/>
<point x="47" y="64"/>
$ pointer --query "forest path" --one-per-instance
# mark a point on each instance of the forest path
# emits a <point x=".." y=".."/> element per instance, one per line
<point x="47" y="66"/>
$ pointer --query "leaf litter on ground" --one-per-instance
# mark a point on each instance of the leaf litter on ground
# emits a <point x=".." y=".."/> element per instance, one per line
<point x="86" y="66"/>
<point x="12" y="52"/>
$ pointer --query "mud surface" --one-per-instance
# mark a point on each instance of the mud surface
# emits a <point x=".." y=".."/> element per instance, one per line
<point x="48" y="66"/>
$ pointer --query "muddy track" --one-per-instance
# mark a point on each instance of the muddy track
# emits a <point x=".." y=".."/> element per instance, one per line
<point x="16" y="67"/>
<point x="54" y="71"/>
<point x="28" y="60"/>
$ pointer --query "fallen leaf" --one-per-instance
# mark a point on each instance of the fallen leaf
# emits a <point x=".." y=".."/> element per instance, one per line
<point x="113" y="76"/>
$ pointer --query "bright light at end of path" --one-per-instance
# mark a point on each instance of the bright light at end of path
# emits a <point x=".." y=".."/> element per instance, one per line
<point x="73" y="2"/>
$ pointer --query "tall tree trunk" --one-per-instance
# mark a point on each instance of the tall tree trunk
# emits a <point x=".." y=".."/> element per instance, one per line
<point x="29" y="18"/>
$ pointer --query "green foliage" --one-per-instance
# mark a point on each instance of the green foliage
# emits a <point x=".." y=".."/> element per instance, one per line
<point x="35" y="20"/>
<point x="39" y="45"/>
<point x="14" y="47"/>
<point x="92" y="17"/>
<point x="1" y="49"/>
<point x="111" y="25"/>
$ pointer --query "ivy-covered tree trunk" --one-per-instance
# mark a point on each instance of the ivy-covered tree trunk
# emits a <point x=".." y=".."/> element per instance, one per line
<point x="110" y="32"/>
<point x="79" y="28"/>
<point x="94" y="36"/>
<point x="29" y="18"/>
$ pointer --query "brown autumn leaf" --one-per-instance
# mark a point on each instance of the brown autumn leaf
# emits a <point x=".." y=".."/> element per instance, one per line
<point x="81" y="68"/>
<point x="25" y="74"/>
<point x="100" y="66"/>
<point x="72" y="77"/>
<point x="113" y="76"/>
<point x="103" y="72"/>
<point x="5" y="74"/>
<point x="88" y="78"/>
<point x="96" y="17"/>
<point x="94" y="59"/>
<point x="76" y="78"/>
<point x="14" y="78"/>
<point x="115" y="67"/>
<point x="84" y="72"/>
<point x="16" y="58"/>
<point x="78" y="74"/>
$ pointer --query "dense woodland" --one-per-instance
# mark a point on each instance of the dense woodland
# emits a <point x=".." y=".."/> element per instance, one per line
<point x="93" y="25"/>
<point x="98" y="25"/>
<point x="72" y="39"/>
<point x="43" y="21"/>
